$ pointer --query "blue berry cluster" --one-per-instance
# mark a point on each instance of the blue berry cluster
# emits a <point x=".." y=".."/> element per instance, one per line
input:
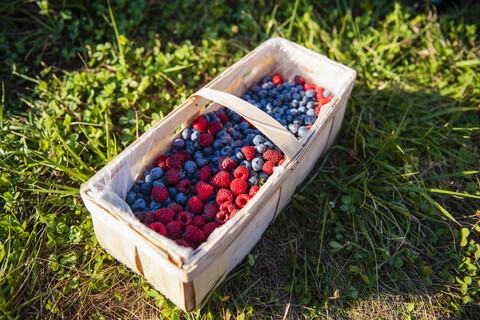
<point x="287" y="102"/>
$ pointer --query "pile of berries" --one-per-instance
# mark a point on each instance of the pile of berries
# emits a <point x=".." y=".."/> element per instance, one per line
<point x="219" y="163"/>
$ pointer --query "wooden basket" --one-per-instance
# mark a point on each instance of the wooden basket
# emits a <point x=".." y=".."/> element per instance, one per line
<point x="184" y="275"/>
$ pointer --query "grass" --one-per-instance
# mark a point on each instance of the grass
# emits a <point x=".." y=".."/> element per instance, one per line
<point x="386" y="225"/>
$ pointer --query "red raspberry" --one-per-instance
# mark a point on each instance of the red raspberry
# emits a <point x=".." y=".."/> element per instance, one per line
<point x="223" y="195"/>
<point x="184" y="186"/>
<point x="233" y="213"/>
<point x="162" y="161"/>
<point x="175" y="161"/>
<point x="214" y="127"/>
<point x="204" y="190"/>
<point x="227" y="206"/>
<point x="272" y="155"/>
<point x="223" y="117"/>
<point x="253" y="191"/>
<point x="200" y="124"/>
<point x="309" y="126"/>
<point x="174" y="230"/>
<point x="172" y="176"/>
<point x="209" y="211"/>
<point x="248" y="152"/>
<point x="238" y="186"/>
<point x="193" y="235"/>
<point x="227" y="164"/>
<point x="241" y="172"/>
<point x="242" y="200"/>
<point x="184" y="243"/>
<point x="204" y="173"/>
<point x="165" y="215"/>
<point x="299" y="80"/>
<point x="277" y="79"/>
<point x="330" y="98"/>
<point x="317" y="110"/>
<point x="175" y="207"/>
<point x="281" y="161"/>
<point x="198" y="221"/>
<point x="268" y="167"/>
<point x="208" y="228"/>
<point x="159" y="194"/>
<point x="186" y="156"/>
<point x="158" y="227"/>
<point x="308" y="86"/>
<point x="149" y="217"/>
<point x="322" y="102"/>
<point x="221" y="217"/>
<point x="205" y="139"/>
<point x="195" y="205"/>
<point x="319" y="92"/>
<point x="221" y="180"/>
<point x="184" y="218"/>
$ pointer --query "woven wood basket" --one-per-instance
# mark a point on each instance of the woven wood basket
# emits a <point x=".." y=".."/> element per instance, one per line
<point x="184" y="275"/>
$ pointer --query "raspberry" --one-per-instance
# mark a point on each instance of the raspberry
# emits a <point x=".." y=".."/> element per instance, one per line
<point x="204" y="190"/>
<point x="241" y="172"/>
<point x="253" y="191"/>
<point x="277" y="79"/>
<point x="208" y="228"/>
<point x="233" y="213"/>
<point x="184" y="218"/>
<point x="227" y="206"/>
<point x="158" y="227"/>
<point x="205" y="139"/>
<point x="162" y="161"/>
<point x="172" y="176"/>
<point x="149" y="217"/>
<point x="214" y="127"/>
<point x="205" y="173"/>
<point x="319" y="92"/>
<point x="184" y="243"/>
<point x="317" y="110"/>
<point x="165" y="215"/>
<point x="322" y="102"/>
<point x="248" y="152"/>
<point x="330" y="98"/>
<point x="221" y="217"/>
<point x="227" y="164"/>
<point x="221" y="180"/>
<point x="186" y="156"/>
<point x="174" y="230"/>
<point x="200" y="124"/>
<point x="193" y="235"/>
<point x="195" y="205"/>
<point x="175" y="207"/>
<point x="309" y="126"/>
<point x="209" y="211"/>
<point x="299" y="80"/>
<point x="281" y="161"/>
<point x="242" y="200"/>
<point x="175" y="161"/>
<point x="223" y="117"/>
<point x="184" y="186"/>
<point x="268" y="167"/>
<point x="308" y="86"/>
<point x="223" y="195"/>
<point x="159" y="194"/>
<point x="272" y="155"/>
<point x="198" y="221"/>
<point x="238" y="186"/>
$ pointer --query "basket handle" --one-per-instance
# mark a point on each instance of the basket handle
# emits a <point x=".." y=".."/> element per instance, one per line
<point x="270" y="127"/>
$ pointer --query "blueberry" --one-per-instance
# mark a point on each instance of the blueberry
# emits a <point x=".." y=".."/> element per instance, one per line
<point x="156" y="173"/>
<point x="172" y="192"/>
<point x="201" y="162"/>
<point x="293" y="112"/>
<point x="310" y="119"/>
<point x="195" y="134"/>
<point x="186" y="133"/>
<point x="139" y="204"/>
<point x="197" y="155"/>
<point x="136" y="189"/>
<point x="246" y="164"/>
<point x="181" y="199"/>
<point x="225" y="138"/>
<point x="302" y="131"/>
<point x="302" y="109"/>
<point x="158" y="183"/>
<point x="260" y="148"/>
<point x="239" y="155"/>
<point x="310" y="93"/>
<point x="310" y="112"/>
<point x="268" y="144"/>
<point x="130" y="197"/>
<point x="146" y="173"/>
<point x="296" y="96"/>
<point x="179" y="143"/>
<point x="258" y="139"/>
<point x="244" y="125"/>
<point x="146" y="188"/>
<point x="217" y="144"/>
<point x="263" y="176"/>
<point x="227" y="151"/>
<point x="294" y="103"/>
<point x="207" y="150"/>
<point x="293" y="127"/>
<point x="326" y="93"/>
<point x="140" y="182"/>
<point x="257" y="164"/>
<point x="148" y="179"/>
<point x="154" y="206"/>
<point x="252" y="181"/>
<point x="190" y="148"/>
<point x="190" y="167"/>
